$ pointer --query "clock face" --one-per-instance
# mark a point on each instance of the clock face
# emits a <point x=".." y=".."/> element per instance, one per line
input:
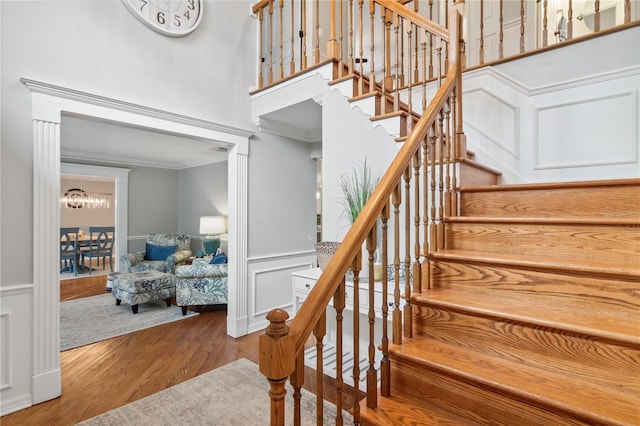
<point x="170" y="17"/>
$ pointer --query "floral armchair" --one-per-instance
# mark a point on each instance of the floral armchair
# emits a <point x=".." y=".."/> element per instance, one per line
<point x="163" y="252"/>
<point x="201" y="284"/>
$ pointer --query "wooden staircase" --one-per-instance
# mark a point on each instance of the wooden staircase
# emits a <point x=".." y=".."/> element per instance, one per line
<point x="532" y="316"/>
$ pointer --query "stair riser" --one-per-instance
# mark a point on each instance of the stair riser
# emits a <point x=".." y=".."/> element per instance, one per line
<point x="604" y="201"/>
<point x="476" y="402"/>
<point x="543" y="287"/>
<point x="584" y="242"/>
<point x="608" y="364"/>
<point x="470" y="175"/>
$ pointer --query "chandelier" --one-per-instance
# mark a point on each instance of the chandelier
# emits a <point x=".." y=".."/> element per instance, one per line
<point x="76" y="198"/>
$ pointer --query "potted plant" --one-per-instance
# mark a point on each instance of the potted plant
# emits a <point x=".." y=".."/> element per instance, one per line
<point x="357" y="187"/>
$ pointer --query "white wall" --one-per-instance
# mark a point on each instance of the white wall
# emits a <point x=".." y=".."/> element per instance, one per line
<point x="98" y="47"/>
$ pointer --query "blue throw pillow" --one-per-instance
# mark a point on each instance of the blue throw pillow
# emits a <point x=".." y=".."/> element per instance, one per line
<point x="219" y="259"/>
<point x="154" y="252"/>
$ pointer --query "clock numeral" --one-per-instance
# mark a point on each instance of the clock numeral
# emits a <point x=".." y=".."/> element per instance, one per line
<point x="160" y="18"/>
<point x="187" y="15"/>
<point x="191" y="4"/>
<point x="176" y="20"/>
<point x="143" y="4"/>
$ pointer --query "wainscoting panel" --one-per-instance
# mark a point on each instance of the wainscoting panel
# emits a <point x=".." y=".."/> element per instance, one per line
<point x="270" y="284"/>
<point x="572" y="134"/>
<point x="16" y="323"/>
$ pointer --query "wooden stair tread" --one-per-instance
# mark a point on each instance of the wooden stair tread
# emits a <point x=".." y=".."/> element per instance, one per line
<point x="555" y="220"/>
<point x="399" y="409"/>
<point x="521" y="381"/>
<point x="606" y="268"/>
<point x="609" y="324"/>
<point x="518" y="187"/>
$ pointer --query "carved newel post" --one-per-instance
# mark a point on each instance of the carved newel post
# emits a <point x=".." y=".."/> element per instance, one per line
<point x="277" y="361"/>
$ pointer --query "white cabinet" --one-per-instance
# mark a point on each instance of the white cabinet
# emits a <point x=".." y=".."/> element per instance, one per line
<point x="303" y="282"/>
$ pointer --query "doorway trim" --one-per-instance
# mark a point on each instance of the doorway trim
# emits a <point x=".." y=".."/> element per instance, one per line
<point x="49" y="104"/>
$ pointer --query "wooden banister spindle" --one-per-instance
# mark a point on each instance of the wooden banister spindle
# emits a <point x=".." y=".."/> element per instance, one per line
<point x="303" y="60"/>
<point x="417" y="252"/>
<point x="431" y="41"/>
<point x="297" y="381"/>
<point x="396" y="67"/>
<point x="350" y="59"/>
<point x="481" y="31"/>
<point x="292" y="62"/>
<point x="433" y="243"/>
<point x="385" y="56"/>
<point x="408" y="309"/>
<point x="410" y="86"/>
<point x="397" y="313"/>
<point x="454" y="155"/>
<point x="338" y="305"/>
<point x="501" y="35"/>
<point x="627" y="11"/>
<point x="361" y="46"/>
<point x="401" y="81"/>
<point x="545" y="30"/>
<point x="372" y="374"/>
<point x="356" y="268"/>
<point x="596" y="16"/>
<point x="522" y="25"/>
<point x="447" y="158"/>
<point x="569" y="20"/>
<point x="260" y="52"/>
<point x="385" y="365"/>
<point x="425" y="207"/>
<point x="372" y="47"/>
<point x="270" y="41"/>
<point x="341" y="42"/>
<point x="424" y="72"/>
<point x="319" y="331"/>
<point x="440" y="152"/>
<point x="316" y="52"/>
<point x="416" y="74"/>
<point x="281" y="39"/>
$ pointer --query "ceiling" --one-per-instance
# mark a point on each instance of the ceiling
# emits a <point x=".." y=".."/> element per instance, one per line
<point x="88" y="139"/>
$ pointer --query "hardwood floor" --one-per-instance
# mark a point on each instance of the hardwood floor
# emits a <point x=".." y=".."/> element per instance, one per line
<point x="108" y="374"/>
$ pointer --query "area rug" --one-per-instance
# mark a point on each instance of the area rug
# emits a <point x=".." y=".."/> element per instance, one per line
<point x="91" y="319"/>
<point x="235" y="394"/>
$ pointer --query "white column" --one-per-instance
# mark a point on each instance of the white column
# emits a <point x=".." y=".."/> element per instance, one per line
<point x="46" y="379"/>
<point x="237" y="308"/>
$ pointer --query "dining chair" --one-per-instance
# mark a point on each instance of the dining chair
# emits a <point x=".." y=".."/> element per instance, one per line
<point x="69" y="250"/>
<point x="100" y="247"/>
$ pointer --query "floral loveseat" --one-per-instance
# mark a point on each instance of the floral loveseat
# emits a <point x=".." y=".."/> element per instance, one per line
<point x="201" y="283"/>
<point x="163" y="252"/>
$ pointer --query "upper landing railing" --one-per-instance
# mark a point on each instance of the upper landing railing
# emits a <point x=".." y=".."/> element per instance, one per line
<point x="299" y="34"/>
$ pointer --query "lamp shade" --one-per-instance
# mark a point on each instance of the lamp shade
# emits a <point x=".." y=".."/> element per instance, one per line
<point x="213" y="225"/>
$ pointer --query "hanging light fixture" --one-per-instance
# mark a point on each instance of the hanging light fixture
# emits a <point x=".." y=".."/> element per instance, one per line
<point x="77" y="198"/>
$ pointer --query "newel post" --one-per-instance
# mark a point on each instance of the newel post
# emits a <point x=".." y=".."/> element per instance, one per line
<point x="333" y="50"/>
<point x="457" y="28"/>
<point x="277" y="361"/>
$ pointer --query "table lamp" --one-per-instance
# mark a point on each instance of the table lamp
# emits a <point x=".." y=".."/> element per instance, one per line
<point x="212" y="227"/>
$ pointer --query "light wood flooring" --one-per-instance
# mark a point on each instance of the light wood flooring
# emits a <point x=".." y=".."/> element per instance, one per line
<point x="105" y="375"/>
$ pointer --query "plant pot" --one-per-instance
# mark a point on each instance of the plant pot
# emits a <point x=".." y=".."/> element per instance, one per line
<point x="324" y="252"/>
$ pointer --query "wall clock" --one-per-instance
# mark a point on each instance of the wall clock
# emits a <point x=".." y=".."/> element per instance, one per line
<point x="169" y="17"/>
